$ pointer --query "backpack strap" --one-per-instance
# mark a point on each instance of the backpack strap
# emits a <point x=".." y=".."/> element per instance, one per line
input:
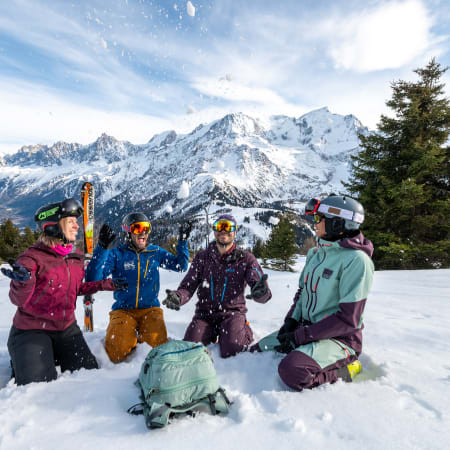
<point x="212" y="403"/>
<point x="136" y="410"/>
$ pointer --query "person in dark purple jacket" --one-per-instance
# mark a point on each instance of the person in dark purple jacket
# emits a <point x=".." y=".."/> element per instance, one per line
<point x="46" y="280"/>
<point x="220" y="274"/>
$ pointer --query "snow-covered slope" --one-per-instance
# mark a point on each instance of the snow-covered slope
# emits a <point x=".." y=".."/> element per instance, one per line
<point x="399" y="401"/>
<point x="236" y="161"/>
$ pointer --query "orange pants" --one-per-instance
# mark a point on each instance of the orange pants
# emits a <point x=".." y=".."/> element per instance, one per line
<point x="127" y="327"/>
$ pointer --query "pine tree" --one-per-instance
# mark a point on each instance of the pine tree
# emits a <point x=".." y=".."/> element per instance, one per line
<point x="10" y="240"/>
<point x="258" y="248"/>
<point x="401" y="176"/>
<point x="281" y="245"/>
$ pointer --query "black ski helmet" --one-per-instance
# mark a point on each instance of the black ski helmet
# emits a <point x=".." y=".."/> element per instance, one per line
<point x="342" y="215"/>
<point x="131" y="218"/>
<point x="47" y="217"/>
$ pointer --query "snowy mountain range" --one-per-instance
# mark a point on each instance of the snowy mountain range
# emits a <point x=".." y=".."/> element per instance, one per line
<point x="239" y="162"/>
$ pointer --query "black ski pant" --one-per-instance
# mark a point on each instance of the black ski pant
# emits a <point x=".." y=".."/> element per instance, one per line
<point x="36" y="353"/>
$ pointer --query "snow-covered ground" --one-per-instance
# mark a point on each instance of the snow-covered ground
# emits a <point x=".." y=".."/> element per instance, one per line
<point x="399" y="401"/>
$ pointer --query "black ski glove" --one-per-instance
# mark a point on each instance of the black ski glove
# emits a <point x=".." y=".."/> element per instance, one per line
<point x="19" y="273"/>
<point x="290" y="324"/>
<point x="287" y="342"/>
<point x="106" y="236"/>
<point x="120" y="284"/>
<point x="259" y="289"/>
<point x="173" y="300"/>
<point x="184" y="231"/>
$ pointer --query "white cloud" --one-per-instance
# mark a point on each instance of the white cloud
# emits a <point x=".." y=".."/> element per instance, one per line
<point x="37" y="115"/>
<point x="389" y="36"/>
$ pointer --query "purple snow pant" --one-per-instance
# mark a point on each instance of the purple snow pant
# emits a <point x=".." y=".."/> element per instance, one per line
<point x="231" y="329"/>
<point x="299" y="371"/>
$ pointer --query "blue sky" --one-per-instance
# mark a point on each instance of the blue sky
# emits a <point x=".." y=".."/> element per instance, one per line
<point x="71" y="70"/>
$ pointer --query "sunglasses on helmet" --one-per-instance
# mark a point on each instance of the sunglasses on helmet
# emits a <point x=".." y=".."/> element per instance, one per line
<point x="137" y="228"/>
<point x="224" y="225"/>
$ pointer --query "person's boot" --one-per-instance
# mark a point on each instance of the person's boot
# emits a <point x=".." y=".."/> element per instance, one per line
<point x="348" y="372"/>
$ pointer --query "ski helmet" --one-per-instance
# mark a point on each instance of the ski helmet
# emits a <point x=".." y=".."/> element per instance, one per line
<point x="47" y="217"/>
<point x="342" y="214"/>
<point x="132" y="218"/>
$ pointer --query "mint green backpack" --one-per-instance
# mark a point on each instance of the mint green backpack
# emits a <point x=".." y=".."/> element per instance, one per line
<point x="178" y="377"/>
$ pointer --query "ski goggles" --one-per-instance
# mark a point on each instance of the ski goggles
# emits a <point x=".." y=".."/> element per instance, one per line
<point x="137" y="228"/>
<point x="311" y="207"/>
<point x="318" y="218"/>
<point x="224" y="225"/>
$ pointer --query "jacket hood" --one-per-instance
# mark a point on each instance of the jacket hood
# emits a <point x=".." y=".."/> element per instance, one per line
<point x="358" y="242"/>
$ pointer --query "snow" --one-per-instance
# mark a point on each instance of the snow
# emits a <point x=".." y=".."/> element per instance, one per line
<point x="399" y="401"/>
<point x="274" y="220"/>
<point x="190" y="9"/>
<point x="183" y="191"/>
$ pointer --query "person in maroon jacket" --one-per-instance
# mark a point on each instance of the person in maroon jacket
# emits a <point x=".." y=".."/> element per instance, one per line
<point x="221" y="273"/>
<point x="46" y="280"/>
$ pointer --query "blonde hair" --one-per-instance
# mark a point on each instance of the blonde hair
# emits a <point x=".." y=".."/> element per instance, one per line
<point x="49" y="241"/>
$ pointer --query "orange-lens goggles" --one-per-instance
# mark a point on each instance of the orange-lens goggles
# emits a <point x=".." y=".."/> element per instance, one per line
<point x="140" y="227"/>
<point x="224" y="225"/>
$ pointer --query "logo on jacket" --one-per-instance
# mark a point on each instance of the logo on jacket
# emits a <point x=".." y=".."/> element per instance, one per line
<point x="327" y="273"/>
<point x="129" y="265"/>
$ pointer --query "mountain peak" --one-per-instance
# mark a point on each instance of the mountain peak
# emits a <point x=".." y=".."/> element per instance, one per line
<point x="105" y="141"/>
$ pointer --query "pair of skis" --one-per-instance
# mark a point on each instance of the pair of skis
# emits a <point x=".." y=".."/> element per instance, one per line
<point x="87" y="200"/>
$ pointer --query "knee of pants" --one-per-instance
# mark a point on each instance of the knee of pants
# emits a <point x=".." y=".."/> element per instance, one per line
<point x="120" y="339"/>
<point x="234" y="341"/>
<point x="200" y="331"/>
<point x="152" y="328"/>
<point x="154" y="336"/>
<point x="231" y="346"/>
<point x="296" y="371"/>
<point x="118" y="349"/>
<point x="36" y="372"/>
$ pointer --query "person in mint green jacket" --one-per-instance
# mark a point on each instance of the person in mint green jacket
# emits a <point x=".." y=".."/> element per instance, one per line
<point x="322" y="332"/>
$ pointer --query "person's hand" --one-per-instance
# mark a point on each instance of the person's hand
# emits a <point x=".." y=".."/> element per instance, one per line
<point x="290" y="324"/>
<point x="184" y="231"/>
<point x="120" y="284"/>
<point x="259" y="289"/>
<point x="173" y="300"/>
<point x="106" y="236"/>
<point x="19" y="273"/>
<point x="287" y="342"/>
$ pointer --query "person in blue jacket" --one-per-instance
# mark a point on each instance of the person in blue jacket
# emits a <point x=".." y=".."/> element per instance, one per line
<point x="136" y="315"/>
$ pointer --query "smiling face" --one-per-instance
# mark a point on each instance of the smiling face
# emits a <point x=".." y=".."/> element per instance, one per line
<point x="69" y="227"/>
<point x="139" y="240"/>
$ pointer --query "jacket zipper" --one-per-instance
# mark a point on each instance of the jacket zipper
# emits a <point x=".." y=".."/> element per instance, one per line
<point x="43" y="292"/>
<point x="138" y="280"/>
<point x="146" y="267"/>
<point x="224" y="287"/>
<point x="68" y="287"/>
<point x="212" y="289"/>
<point x="311" y="285"/>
